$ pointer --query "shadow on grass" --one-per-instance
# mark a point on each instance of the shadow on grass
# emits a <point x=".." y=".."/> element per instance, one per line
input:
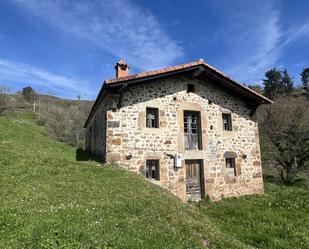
<point x="82" y="155"/>
<point x="301" y="182"/>
<point x="272" y="179"/>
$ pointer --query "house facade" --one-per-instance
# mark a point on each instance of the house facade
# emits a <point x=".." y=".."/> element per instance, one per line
<point x="188" y="128"/>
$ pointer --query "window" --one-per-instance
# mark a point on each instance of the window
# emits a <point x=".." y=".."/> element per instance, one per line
<point x="190" y="88"/>
<point x="152" y="119"/>
<point x="152" y="170"/>
<point x="192" y="130"/>
<point x="230" y="166"/>
<point x="227" y="121"/>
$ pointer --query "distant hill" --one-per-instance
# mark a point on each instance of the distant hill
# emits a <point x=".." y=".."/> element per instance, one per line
<point x="17" y="102"/>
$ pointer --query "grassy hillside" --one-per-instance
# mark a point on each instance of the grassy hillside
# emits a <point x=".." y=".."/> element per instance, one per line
<point x="49" y="200"/>
<point x="277" y="219"/>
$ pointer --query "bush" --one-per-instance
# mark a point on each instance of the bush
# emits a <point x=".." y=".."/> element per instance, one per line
<point x="285" y="141"/>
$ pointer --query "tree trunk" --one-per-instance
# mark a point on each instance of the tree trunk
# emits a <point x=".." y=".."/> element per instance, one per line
<point x="77" y="139"/>
<point x="287" y="177"/>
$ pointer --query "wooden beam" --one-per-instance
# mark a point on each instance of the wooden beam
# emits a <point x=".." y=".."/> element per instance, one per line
<point x="197" y="72"/>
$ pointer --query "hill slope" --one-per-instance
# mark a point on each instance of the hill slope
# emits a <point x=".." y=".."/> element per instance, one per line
<point x="49" y="200"/>
<point x="278" y="219"/>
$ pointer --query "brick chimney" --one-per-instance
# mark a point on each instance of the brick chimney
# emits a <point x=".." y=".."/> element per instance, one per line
<point x="122" y="69"/>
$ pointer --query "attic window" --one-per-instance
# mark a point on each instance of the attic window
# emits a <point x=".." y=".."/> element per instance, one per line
<point x="190" y="88"/>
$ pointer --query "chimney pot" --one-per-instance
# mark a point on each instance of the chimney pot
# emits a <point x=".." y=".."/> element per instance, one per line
<point x="122" y="69"/>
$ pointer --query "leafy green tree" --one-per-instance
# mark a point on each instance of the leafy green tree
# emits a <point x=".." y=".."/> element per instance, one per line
<point x="28" y="93"/>
<point x="273" y="83"/>
<point x="287" y="82"/>
<point x="305" y="78"/>
<point x="257" y="88"/>
<point x="277" y="83"/>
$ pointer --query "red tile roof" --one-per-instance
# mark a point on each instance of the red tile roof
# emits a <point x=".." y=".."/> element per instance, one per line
<point x="154" y="72"/>
<point x="180" y="67"/>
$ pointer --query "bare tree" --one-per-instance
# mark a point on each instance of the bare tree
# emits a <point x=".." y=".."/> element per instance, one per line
<point x="54" y="118"/>
<point x="4" y="98"/>
<point x="78" y="112"/>
<point x="286" y="124"/>
<point x="32" y="97"/>
<point x="65" y="120"/>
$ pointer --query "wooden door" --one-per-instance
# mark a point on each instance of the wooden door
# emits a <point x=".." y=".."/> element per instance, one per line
<point x="194" y="183"/>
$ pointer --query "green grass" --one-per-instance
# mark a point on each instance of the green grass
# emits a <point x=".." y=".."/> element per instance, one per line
<point x="50" y="200"/>
<point x="277" y="219"/>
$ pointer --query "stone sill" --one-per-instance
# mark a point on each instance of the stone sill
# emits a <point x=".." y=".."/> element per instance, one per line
<point x="228" y="133"/>
<point x="153" y="130"/>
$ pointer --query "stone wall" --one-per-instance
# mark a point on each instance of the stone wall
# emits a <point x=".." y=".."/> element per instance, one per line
<point x="129" y="143"/>
<point x="95" y="142"/>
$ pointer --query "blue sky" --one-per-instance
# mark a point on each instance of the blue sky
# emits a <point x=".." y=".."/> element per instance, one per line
<point x="67" y="47"/>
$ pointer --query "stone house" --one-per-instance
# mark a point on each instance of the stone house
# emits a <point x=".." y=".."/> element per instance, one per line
<point x="188" y="128"/>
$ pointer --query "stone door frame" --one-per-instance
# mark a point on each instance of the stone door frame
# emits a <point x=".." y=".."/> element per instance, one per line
<point x="201" y="177"/>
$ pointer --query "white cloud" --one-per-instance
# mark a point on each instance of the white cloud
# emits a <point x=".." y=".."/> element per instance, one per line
<point x="12" y="71"/>
<point x="121" y="27"/>
<point x="257" y="49"/>
<point x="295" y="33"/>
<point x="257" y="40"/>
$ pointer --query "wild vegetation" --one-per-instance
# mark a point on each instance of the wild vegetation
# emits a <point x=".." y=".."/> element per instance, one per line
<point x="284" y="126"/>
<point x="50" y="200"/>
<point x="63" y="119"/>
<point x="285" y="130"/>
<point x="3" y="98"/>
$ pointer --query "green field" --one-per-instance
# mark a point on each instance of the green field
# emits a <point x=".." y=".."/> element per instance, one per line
<point x="51" y="200"/>
<point x="277" y="219"/>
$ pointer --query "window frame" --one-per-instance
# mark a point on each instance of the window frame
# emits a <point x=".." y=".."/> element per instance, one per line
<point x="232" y="162"/>
<point x="156" y="117"/>
<point x="198" y="131"/>
<point x="227" y="126"/>
<point x="152" y="163"/>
